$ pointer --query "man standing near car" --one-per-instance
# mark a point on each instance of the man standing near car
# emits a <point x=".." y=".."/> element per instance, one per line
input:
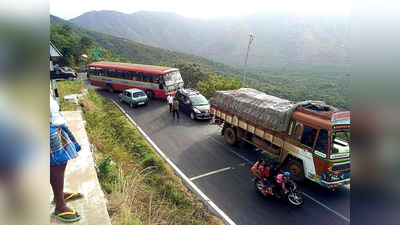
<point x="175" y="109"/>
<point x="170" y="101"/>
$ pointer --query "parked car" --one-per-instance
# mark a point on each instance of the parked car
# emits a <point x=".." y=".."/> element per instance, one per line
<point x="60" y="73"/>
<point x="193" y="103"/>
<point x="68" y="69"/>
<point x="134" y="97"/>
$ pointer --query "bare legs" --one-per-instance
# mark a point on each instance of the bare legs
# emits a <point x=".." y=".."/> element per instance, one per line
<point x="57" y="173"/>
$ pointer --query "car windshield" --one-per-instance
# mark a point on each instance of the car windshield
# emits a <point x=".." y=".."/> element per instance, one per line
<point x="198" y="100"/>
<point x="172" y="78"/>
<point x="138" y="94"/>
<point x="340" y="144"/>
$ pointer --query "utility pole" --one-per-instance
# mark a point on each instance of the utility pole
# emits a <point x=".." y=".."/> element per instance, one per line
<point x="251" y="37"/>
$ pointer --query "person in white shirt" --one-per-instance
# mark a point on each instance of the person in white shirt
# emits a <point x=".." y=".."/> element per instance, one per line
<point x="170" y="101"/>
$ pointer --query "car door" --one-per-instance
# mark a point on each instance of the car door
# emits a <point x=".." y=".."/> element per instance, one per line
<point x="128" y="97"/>
<point x="63" y="74"/>
<point x="181" y="100"/>
<point x="124" y="98"/>
<point x="57" y="73"/>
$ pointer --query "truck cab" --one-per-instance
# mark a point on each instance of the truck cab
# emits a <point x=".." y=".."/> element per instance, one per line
<point x="320" y="141"/>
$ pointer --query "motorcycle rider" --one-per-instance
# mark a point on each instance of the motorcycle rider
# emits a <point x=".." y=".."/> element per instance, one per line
<point x="274" y="171"/>
<point x="258" y="168"/>
<point x="282" y="179"/>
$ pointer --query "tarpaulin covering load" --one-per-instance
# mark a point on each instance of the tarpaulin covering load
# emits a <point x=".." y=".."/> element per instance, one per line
<point x="255" y="106"/>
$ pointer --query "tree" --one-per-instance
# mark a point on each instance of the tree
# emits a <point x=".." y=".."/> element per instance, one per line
<point x="85" y="43"/>
<point x="218" y="83"/>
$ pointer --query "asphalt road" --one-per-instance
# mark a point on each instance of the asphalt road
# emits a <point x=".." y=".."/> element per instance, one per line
<point x="197" y="148"/>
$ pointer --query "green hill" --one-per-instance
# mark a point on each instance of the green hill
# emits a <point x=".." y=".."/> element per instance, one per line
<point x="289" y="40"/>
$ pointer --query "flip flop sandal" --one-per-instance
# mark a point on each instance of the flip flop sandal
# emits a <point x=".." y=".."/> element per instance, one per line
<point x="70" y="197"/>
<point x="65" y="219"/>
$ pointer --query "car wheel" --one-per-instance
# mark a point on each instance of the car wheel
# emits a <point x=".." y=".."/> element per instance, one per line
<point x="132" y="105"/>
<point x="120" y="99"/>
<point x="71" y="78"/>
<point x="192" y="116"/>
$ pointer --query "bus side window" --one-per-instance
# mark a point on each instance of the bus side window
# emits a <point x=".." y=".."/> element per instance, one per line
<point x="309" y="135"/>
<point x="128" y="75"/>
<point x="297" y="132"/>
<point x="321" y="146"/>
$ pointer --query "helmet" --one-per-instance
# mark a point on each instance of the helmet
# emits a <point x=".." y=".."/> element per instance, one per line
<point x="286" y="174"/>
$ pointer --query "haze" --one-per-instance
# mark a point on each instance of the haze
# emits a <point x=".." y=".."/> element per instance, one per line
<point x="203" y="9"/>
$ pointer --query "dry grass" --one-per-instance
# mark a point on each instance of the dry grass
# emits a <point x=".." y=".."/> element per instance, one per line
<point x="129" y="202"/>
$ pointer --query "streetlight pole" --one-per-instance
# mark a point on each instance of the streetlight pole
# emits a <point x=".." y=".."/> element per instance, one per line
<point x="251" y="37"/>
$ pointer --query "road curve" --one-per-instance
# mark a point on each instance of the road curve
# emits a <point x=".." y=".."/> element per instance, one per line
<point x="222" y="172"/>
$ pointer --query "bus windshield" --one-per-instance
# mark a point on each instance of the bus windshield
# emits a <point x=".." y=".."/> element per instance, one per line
<point x="172" y="78"/>
<point x="340" y="144"/>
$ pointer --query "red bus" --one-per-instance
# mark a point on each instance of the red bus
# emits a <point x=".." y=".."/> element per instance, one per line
<point x="155" y="81"/>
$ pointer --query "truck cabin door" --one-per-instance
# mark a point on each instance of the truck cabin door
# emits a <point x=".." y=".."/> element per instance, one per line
<point x="309" y="136"/>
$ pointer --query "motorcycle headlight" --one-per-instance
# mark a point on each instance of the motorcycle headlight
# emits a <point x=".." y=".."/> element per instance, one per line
<point x="334" y="177"/>
<point x="196" y="110"/>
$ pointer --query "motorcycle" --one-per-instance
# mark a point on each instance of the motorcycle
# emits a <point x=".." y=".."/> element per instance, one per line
<point x="292" y="195"/>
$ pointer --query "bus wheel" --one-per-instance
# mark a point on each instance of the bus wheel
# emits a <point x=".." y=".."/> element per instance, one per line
<point x="296" y="170"/>
<point x="110" y="88"/>
<point x="230" y="136"/>
<point x="150" y="94"/>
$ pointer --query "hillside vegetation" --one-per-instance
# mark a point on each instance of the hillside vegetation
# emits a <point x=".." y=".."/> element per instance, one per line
<point x="331" y="84"/>
<point x="282" y="38"/>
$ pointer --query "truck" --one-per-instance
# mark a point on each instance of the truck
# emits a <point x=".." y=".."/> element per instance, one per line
<point x="310" y="139"/>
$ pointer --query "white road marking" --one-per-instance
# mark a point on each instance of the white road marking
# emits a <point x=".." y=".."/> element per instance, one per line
<point x="212" y="204"/>
<point x="210" y="173"/>
<point x="248" y="161"/>
<point x="326" y="207"/>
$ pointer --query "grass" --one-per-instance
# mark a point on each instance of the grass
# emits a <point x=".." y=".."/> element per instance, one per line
<point x="67" y="87"/>
<point x="140" y="187"/>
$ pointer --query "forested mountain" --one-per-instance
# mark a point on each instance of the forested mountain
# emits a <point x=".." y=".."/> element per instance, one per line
<point x="292" y="41"/>
<point x="331" y="84"/>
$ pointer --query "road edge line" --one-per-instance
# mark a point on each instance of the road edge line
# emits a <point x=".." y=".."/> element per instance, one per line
<point x="211" y="203"/>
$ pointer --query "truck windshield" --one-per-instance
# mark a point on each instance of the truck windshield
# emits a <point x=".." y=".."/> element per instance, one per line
<point x="172" y="78"/>
<point x="340" y="144"/>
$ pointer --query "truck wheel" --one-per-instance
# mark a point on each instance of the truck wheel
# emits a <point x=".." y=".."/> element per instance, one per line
<point x="230" y="136"/>
<point x="296" y="170"/>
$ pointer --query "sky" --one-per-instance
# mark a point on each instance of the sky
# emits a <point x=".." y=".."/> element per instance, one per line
<point x="195" y="8"/>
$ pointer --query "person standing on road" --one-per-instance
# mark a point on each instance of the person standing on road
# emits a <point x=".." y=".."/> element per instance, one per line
<point x="175" y="109"/>
<point x="170" y="101"/>
<point x="63" y="147"/>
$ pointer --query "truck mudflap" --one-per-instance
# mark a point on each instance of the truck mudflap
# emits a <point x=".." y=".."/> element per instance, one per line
<point x="335" y="184"/>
